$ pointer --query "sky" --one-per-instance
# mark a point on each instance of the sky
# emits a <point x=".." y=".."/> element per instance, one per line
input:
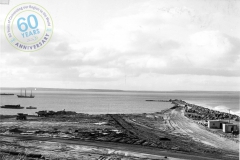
<point x="130" y="45"/>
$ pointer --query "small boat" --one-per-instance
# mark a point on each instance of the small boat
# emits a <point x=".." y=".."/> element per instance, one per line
<point x="12" y="106"/>
<point x="31" y="107"/>
<point x="6" y="94"/>
<point x="25" y="96"/>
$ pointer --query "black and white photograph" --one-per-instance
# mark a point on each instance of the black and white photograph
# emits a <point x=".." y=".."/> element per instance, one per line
<point x="119" y="79"/>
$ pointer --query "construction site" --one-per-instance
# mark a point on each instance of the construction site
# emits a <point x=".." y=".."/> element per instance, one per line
<point x="168" y="134"/>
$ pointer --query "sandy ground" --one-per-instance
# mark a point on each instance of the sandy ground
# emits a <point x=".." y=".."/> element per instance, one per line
<point x="133" y="136"/>
<point x="182" y="124"/>
<point x="56" y="150"/>
<point x="72" y="149"/>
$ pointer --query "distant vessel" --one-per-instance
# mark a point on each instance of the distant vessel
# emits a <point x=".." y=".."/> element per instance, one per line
<point x="6" y="94"/>
<point x="12" y="106"/>
<point x="25" y="96"/>
<point x="31" y="107"/>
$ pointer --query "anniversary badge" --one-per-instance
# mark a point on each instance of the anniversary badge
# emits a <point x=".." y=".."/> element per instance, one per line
<point x="28" y="27"/>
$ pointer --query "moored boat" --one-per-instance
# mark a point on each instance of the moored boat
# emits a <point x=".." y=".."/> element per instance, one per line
<point x="6" y="94"/>
<point x="31" y="107"/>
<point x="12" y="106"/>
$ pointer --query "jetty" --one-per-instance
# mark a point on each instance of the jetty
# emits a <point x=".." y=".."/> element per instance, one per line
<point x="150" y="100"/>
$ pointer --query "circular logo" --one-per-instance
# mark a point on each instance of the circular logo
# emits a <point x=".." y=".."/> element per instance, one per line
<point x="28" y="27"/>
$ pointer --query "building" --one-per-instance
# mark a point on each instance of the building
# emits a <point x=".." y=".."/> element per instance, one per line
<point x="216" y="124"/>
<point x="228" y="128"/>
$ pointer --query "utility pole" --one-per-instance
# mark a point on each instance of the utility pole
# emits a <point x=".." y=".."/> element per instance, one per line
<point x="229" y="116"/>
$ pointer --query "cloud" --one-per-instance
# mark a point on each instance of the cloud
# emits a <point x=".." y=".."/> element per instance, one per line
<point x="211" y="49"/>
<point x="143" y="39"/>
<point x="99" y="73"/>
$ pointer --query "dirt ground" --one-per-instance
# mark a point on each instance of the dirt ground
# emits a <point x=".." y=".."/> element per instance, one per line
<point x="184" y="125"/>
<point x="163" y="135"/>
<point x="56" y="150"/>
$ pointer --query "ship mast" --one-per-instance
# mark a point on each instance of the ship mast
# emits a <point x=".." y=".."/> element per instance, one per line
<point x="31" y="93"/>
<point x="25" y="92"/>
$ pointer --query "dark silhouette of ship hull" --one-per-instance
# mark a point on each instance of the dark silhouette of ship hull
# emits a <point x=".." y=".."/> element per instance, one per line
<point x="12" y="106"/>
<point x="22" y="96"/>
<point x="31" y="107"/>
<point x="6" y="94"/>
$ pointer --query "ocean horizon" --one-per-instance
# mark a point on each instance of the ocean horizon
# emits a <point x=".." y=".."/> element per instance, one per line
<point x="103" y="101"/>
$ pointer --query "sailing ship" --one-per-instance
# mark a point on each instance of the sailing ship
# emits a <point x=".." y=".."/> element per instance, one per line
<point x="25" y="96"/>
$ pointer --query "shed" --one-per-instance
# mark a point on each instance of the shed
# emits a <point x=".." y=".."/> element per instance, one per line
<point x="228" y="128"/>
<point x="21" y="116"/>
<point x="216" y="124"/>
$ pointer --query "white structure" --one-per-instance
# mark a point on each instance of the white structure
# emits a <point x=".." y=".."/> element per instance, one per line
<point x="228" y="128"/>
<point x="216" y="124"/>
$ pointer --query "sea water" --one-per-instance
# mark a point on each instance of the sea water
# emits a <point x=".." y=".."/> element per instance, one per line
<point x="102" y="102"/>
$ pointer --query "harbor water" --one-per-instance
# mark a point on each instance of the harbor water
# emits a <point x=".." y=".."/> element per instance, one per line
<point x="102" y="102"/>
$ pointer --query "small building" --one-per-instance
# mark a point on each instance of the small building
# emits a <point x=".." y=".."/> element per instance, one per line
<point x="21" y="116"/>
<point x="216" y="124"/>
<point x="228" y="128"/>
